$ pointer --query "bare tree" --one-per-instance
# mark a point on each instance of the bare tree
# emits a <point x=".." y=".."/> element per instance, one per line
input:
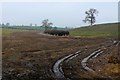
<point x="7" y="24"/>
<point x="91" y="16"/>
<point x="46" y="24"/>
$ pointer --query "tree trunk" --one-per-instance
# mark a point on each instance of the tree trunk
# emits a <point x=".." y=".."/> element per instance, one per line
<point x="91" y="22"/>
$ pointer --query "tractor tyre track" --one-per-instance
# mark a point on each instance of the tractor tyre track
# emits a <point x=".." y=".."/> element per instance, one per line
<point x="57" y="67"/>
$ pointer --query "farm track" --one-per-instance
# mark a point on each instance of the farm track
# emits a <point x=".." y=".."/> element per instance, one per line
<point x="94" y="55"/>
<point x="85" y="60"/>
<point x="57" y="67"/>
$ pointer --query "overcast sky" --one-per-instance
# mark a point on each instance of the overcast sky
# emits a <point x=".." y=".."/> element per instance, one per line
<point x="62" y="14"/>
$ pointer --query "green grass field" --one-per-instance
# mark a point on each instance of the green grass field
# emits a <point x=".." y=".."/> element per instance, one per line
<point x="29" y="27"/>
<point x="6" y="32"/>
<point x="101" y="30"/>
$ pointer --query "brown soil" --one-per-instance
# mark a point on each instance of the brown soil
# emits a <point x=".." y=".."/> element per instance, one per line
<point x="30" y="56"/>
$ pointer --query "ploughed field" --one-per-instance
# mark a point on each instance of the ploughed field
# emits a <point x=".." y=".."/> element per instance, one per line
<point x="32" y="56"/>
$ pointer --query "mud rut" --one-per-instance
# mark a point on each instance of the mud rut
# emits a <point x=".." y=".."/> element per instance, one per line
<point x="57" y="71"/>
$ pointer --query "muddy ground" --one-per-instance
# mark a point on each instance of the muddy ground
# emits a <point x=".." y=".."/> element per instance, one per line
<point x="31" y="56"/>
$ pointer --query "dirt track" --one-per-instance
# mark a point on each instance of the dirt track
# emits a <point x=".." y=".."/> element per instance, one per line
<point x="33" y="56"/>
<point x="57" y="68"/>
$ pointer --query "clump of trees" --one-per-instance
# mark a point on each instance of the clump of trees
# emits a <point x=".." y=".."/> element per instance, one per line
<point x="91" y="16"/>
<point x="5" y="25"/>
<point x="47" y="24"/>
<point x="48" y="29"/>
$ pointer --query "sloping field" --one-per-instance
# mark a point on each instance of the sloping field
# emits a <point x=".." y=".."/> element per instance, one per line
<point x="110" y="29"/>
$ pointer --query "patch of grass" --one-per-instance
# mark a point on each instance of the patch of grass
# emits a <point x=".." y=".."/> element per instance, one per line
<point x="101" y="30"/>
<point x="6" y="32"/>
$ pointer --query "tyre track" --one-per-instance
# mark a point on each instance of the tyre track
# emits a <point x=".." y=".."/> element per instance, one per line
<point x="85" y="60"/>
<point x="57" y="67"/>
<point x="95" y="54"/>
